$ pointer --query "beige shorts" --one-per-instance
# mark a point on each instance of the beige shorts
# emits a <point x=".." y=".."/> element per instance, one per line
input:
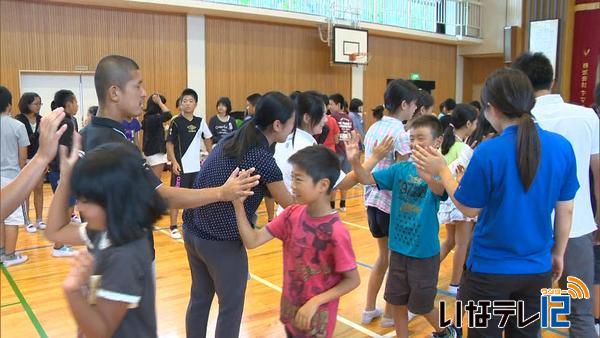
<point x="16" y="217"/>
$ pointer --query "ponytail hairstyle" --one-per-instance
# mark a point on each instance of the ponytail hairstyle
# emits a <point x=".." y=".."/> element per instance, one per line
<point x="511" y="93"/>
<point x="484" y="128"/>
<point x="462" y="114"/>
<point x="273" y="106"/>
<point x="61" y="98"/>
<point x="378" y="112"/>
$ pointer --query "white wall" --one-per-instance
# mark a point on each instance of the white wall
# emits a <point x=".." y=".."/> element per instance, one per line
<point x="496" y="15"/>
<point x="196" y="60"/>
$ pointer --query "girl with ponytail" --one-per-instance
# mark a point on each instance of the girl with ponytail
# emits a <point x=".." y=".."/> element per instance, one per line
<point x="217" y="258"/>
<point x="513" y="183"/>
<point x="457" y="153"/>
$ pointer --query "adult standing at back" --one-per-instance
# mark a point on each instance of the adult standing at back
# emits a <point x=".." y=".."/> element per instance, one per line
<point x="580" y="126"/>
<point x="216" y="254"/>
<point x="29" y="106"/>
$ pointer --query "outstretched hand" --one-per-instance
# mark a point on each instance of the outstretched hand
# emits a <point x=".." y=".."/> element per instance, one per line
<point x="239" y="185"/>
<point x="353" y="147"/>
<point x="429" y="160"/>
<point x="50" y="134"/>
<point x="381" y="149"/>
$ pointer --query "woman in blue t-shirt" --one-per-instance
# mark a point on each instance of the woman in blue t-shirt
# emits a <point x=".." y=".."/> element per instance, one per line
<point x="513" y="184"/>
<point x="216" y="254"/>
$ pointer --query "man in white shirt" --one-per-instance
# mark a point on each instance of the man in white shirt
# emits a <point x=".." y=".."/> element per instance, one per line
<point x="581" y="127"/>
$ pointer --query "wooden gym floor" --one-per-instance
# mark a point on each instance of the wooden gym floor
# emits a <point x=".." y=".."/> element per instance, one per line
<point x="32" y="303"/>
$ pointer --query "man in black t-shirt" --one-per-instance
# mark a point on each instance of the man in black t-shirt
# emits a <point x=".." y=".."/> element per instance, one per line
<point x="183" y="148"/>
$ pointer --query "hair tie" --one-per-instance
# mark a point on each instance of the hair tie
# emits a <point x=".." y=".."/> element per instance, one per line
<point x="451" y="125"/>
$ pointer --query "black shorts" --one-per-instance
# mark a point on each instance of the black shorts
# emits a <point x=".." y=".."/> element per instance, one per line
<point x="412" y="282"/>
<point x="185" y="181"/>
<point x="477" y="286"/>
<point x="379" y="222"/>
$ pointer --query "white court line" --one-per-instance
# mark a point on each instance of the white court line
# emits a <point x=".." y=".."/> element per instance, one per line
<point x="339" y="318"/>
<point x="278" y="289"/>
<point x="356" y="225"/>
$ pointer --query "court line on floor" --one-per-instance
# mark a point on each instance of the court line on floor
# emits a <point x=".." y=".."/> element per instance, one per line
<point x="34" y="320"/>
<point x="277" y="288"/>
<point x="10" y="304"/>
<point x="340" y="318"/>
<point x="446" y="293"/>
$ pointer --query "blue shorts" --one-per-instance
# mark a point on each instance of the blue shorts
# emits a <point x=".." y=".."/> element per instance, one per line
<point x="54" y="178"/>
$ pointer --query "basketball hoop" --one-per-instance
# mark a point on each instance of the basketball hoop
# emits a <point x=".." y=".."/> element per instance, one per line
<point x="357" y="57"/>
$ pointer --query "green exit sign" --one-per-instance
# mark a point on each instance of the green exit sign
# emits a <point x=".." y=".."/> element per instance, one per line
<point x="415" y="76"/>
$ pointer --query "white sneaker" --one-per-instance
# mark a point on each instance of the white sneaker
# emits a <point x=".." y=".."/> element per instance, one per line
<point x="41" y="225"/>
<point x="63" y="251"/>
<point x="343" y="209"/>
<point x="30" y="228"/>
<point x="175" y="234"/>
<point x="14" y="259"/>
<point x="368" y="316"/>
<point x="387" y="322"/>
<point x="453" y="289"/>
<point x="75" y="218"/>
<point x="598" y="329"/>
<point x="411" y="316"/>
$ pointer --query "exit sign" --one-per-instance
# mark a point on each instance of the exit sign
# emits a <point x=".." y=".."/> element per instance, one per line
<point x="415" y="76"/>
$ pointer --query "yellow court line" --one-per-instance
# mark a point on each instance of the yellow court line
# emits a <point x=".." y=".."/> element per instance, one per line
<point x="356" y="225"/>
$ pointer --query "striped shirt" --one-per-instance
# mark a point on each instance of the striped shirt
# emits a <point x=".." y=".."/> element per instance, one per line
<point x="382" y="199"/>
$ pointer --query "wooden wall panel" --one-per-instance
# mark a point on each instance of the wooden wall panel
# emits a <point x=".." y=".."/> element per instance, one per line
<point x="62" y="36"/>
<point x="243" y="57"/>
<point x="396" y="58"/>
<point x="476" y="70"/>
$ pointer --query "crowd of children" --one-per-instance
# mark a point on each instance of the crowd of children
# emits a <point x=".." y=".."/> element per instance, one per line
<point x="509" y="178"/>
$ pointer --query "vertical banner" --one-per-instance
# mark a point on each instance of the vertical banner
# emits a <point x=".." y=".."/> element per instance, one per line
<point x="586" y="51"/>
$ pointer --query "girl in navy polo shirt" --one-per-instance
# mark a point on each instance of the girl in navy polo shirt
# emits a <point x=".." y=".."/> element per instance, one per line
<point x="216" y="255"/>
<point x="513" y="184"/>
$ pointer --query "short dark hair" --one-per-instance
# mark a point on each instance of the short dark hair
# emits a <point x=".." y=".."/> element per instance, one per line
<point x="63" y="96"/>
<point x="449" y="103"/>
<point x="425" y="100"/>
<point x="538" y="69"/>
<point x="224" y="100"/>
<point x="112" y="70"/>
<point x="355" y="104"/>
<point x="430" y="122"/>
<point x="253" y="98"/>
<point x="337" y="98"/>
<point x="93" y="110"/>
<point x="5" y="99"/>
<point x="398" y="91"/>
<point x="189" y="92"/>
<point x="25" y="101"/>
<point x="318" y="162"/>
<point x="476" y="104"/>
<point x="113" y="176"/>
